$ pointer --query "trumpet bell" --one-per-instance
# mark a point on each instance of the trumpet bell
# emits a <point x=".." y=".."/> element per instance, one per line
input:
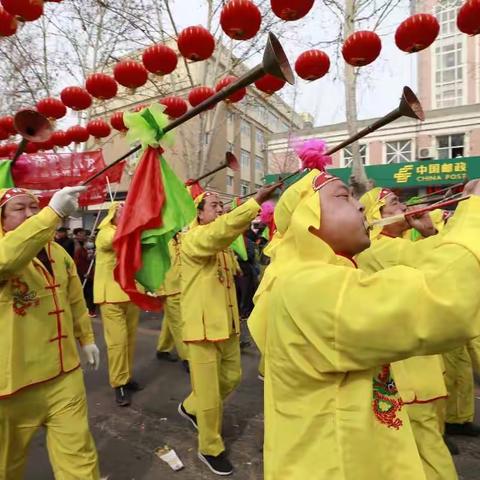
<point x="32" y="126"/>
<point x="410" y="105"/>
<point x="232" y="162"/>
<point x="275" y="61"/>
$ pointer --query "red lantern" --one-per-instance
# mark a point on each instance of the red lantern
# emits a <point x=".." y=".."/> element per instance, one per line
<point x="10" y="149"/>
<point x="468" y="19"/>
<point x="361" y="48"/>
<point x="101" y="85"/>
<point x="417" y="32"/>
<point x="196" y="43"/>
<point x="78" y="134"/>
<point x="60" y="138"/>
<point x="198" y="94"/>
<point x="52" y="108"/>
<point x="240" y="19"/>
<point x="130" y="74"/>
<point x="269" y="84"/>
<point x="27" y="10"/>
<point x="175" y="106"/>
<point x="8" y="23"/>
<point x="15" y="7"/>
<point x="312" y="64"/>
<point x="4" y="150"/>
<point x="291" y="9"/>
<point x="76" y="98"/>
<point x="32" y="147"/>
<point x="159" y="59"/>
<point x="116" y="121"/>
<point x="7" y="124"/>
<point x="237" y="96"/>
<point x="98" y="128"/>
<point x="3" y="134"/>
<point x="48" y="145"/>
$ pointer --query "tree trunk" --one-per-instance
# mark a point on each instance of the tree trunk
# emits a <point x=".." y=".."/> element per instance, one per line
<point x="358" y="179"/>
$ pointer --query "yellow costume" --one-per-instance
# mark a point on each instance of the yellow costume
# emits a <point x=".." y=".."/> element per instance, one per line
<point x="119" y="315"/>
<point x="172" y="325"/>
<point x="41" y="385"/>
<point x="460" y="407"/>
<point x="329" y="332"/>
<point x="420" y="380"/>
<point x="211" y="320"/>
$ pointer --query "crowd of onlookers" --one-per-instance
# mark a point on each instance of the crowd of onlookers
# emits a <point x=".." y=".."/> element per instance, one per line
<point x="80" y="245"/>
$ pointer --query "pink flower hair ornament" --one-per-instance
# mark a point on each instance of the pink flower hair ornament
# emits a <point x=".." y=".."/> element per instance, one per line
<point x="312" y="153"/>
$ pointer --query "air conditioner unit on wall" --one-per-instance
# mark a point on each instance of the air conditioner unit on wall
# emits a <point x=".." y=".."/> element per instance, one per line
<point x="426" y="153"/>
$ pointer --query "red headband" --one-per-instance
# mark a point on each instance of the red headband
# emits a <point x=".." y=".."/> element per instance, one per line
<point x="15" y="192"/>
<point x="321" y="180"/>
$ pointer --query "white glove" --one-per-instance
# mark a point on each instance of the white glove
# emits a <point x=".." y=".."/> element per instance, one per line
<point x="65" y="201"/>
<point x="93" y="355"/>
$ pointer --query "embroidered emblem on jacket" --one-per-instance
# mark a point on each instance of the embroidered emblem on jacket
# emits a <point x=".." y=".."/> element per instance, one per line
<point x="386" y="402"/>
<point x="23" y="298"/>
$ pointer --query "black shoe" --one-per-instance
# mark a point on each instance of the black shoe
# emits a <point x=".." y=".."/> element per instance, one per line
<point x="191" y="418"/>
<point x="134" y="386"/>
<point x="186" y="366"/>
<point x="219" y="465"/>
<point x="122" y="396"/>
<point x="167" y="356"/>
<point x="468" y="429"/>
<point x="451" y="445"/>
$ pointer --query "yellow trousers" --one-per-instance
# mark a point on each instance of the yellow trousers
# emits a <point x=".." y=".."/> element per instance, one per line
<point x="60" y="406"/>
<point x="172" y="325"/>
<point x="120" y="321"/>
<point x="436" y="459"/>
<point x="460" y="386"/>
<point x="215" y="371"/>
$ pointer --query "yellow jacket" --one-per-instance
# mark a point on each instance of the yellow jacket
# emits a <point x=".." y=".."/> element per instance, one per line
<point x="172" y="283"/>
<point x="418" y="379"/>
<point x="328" y="332"/>
<point x="209" y="301"/>
<point x="105" y="288"/>
<point x="42" y="315"/>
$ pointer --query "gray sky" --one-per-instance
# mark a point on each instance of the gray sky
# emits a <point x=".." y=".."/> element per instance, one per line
<point x="380" y="83"/>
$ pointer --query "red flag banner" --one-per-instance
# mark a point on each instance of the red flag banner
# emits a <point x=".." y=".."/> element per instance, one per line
<point x="147" y="191"/>
<point x="48" y="172"/>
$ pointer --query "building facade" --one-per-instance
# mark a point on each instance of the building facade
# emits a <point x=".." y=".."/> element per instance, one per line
<point x="448" y="88"/>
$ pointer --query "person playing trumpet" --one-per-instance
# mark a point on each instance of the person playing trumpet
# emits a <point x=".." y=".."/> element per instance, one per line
<point x="42" y="320"/>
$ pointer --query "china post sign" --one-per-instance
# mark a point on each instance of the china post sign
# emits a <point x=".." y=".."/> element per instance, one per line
<point x="413" y="174"/>
<point x="418" y="174"/>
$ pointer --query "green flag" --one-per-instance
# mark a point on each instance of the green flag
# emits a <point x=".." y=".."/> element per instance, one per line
<point x="6" y="179"/>
<point x="238" y="246"/>
<point x="178" y="211"/>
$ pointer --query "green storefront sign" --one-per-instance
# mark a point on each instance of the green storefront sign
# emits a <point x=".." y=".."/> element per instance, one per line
<point x="415" y="174"/>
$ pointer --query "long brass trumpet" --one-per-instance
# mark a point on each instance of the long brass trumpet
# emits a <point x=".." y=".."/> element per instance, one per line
<point x="409" y="106"/>
<point x="419" y="211"/>
<point x="274" y="62"/>
<point x="230" y="162"/>
<point x="33" y="127"/>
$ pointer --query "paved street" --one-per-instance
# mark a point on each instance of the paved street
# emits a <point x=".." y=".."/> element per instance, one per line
<point x="127" y="437"/>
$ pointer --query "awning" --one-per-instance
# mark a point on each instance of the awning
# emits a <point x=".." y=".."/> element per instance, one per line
<point x="424" y="173"/>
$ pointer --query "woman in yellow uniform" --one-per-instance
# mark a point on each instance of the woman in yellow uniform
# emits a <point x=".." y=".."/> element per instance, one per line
<point x="43" y="317"/>
<point x="211" y="319"/>
<point x="420" y="380"/>
<point x="119" y="315"/>
<point x="329" y="332"/>
<point x="171" y="332"/>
